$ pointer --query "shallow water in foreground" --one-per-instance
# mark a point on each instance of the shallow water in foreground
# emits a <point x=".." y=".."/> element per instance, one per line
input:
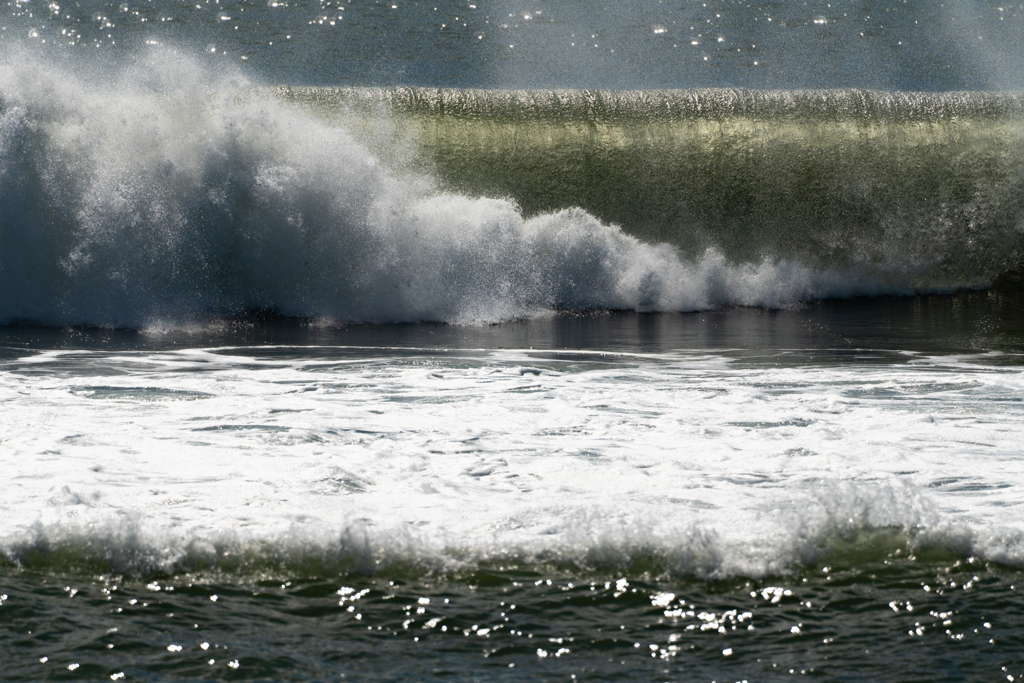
<point x="886" y="619"/>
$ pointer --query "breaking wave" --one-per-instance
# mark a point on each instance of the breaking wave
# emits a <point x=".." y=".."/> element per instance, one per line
<point x="165" y="196"/>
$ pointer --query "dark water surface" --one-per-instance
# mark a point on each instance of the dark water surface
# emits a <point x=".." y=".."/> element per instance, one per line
<point x="967" y="322"/>
<point x="892" y="618"/>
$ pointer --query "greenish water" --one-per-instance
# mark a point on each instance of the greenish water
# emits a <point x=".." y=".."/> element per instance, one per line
<point x="922" y="189"/>
<point x="894" y="618"/>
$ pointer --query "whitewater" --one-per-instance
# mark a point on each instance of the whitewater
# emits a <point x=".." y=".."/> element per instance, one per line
<point x="743" y="511"/>
<point x="446" y="461"/>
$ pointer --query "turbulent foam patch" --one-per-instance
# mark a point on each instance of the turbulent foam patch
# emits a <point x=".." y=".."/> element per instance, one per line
<point x="277" y="459"/>
<point x="162" y="198"/>
<point x="848" y="525"/>
<point x="698" y="553"/>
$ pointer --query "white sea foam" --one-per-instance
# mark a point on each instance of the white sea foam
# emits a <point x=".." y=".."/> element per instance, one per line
<point x="697" y="464"/>
<point x="161" y="197"/>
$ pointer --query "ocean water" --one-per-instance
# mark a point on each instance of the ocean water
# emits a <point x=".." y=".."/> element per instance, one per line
<point x="515" y="340"/>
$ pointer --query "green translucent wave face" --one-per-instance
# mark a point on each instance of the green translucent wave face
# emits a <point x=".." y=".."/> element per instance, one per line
<point x="923" y="190"/>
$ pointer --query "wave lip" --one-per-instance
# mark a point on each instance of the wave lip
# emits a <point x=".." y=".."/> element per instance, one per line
<point x="597" y="107"/>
